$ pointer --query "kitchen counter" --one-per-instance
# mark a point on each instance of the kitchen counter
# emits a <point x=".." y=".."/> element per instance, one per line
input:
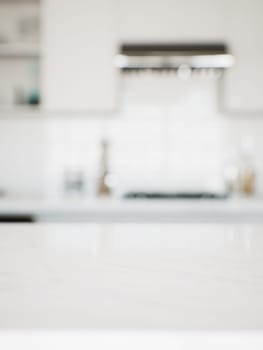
<point x="131" y="277"/>
<point x="123" y="210"/>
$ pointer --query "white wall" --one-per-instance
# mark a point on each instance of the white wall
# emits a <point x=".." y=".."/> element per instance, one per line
<point x="171" y="19"/>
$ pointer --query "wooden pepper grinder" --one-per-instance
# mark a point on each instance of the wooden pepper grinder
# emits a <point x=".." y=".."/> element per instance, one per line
<point x="103" y="188"/>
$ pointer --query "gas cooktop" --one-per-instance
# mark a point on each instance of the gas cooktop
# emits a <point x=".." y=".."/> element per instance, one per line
<point x="174" y="195"/>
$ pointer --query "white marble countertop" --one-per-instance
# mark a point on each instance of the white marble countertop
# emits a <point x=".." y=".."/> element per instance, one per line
<point x="121" y="210"/>
<point x="131" y="276"/>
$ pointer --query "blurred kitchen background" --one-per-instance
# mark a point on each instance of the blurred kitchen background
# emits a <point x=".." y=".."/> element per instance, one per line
<point x="74" y="115"/>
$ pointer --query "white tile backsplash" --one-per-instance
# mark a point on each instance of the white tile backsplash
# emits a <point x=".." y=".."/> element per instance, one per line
<point x="180" y="144"/>
<point x="162" y="137"/>
<point x="23" y="156"/>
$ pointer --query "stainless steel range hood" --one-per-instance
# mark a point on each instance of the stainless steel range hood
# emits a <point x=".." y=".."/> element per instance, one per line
<point x="172" y="56"/>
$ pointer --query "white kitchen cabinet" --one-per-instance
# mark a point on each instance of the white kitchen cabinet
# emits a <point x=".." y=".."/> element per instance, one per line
<point x="78" y="50"/>
<point x="243" y="85"/>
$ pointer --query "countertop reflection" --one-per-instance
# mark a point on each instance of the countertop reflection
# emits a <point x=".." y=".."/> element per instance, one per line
<point x="131" y="276"/>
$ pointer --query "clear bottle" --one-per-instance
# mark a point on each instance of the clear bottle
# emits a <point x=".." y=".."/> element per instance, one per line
<point x="103" y="188"/>
<point x="74" y="182"/>
<point x="231" y="173"/>
<point x="247" y="173"/>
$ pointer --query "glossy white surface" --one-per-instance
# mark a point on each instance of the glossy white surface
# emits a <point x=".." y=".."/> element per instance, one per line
<point x="167" y="277"/>
<point x="120" y="210"/>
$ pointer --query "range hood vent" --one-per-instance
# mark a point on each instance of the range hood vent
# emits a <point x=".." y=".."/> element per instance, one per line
<point x="173" y="57"/>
